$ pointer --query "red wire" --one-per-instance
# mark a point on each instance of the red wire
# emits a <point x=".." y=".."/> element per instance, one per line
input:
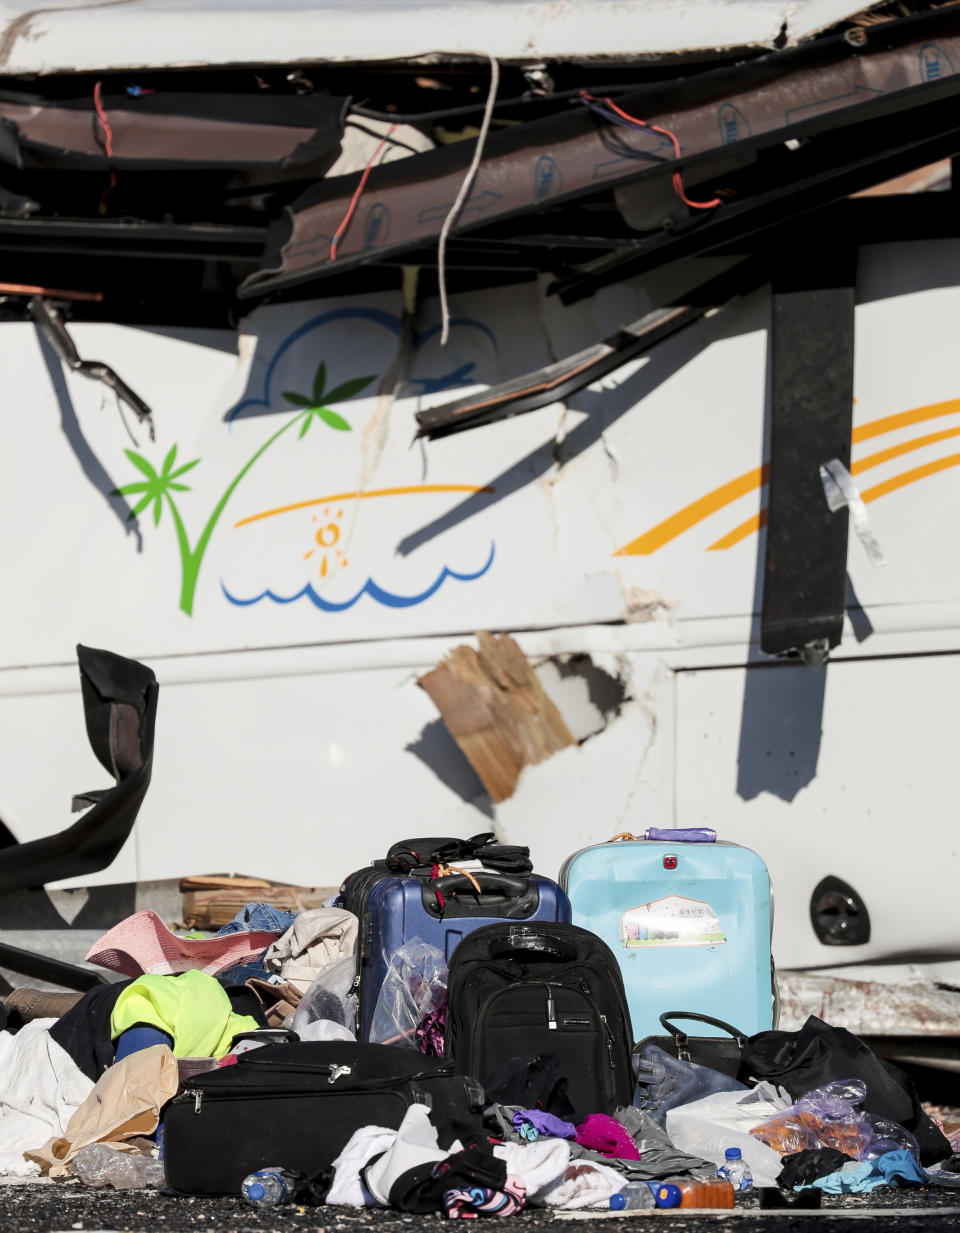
<point x="351" y="208"/>
<point x="677" y="178"/>
<point x="107" y="140"/>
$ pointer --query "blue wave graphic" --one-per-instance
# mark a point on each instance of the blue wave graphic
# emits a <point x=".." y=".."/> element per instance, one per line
<point x="371" y="588"/>
<point x="390" y="321"/>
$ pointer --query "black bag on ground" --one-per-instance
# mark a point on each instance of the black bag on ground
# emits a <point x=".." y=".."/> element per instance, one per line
<point x="296" y="1105"/>
<point x="721" y="1053"/>
<point x="818" y="1053"/>
<point x="541" y="989"/>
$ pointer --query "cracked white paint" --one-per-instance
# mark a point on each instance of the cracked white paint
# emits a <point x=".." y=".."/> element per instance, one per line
<point x="643" y="605"/>
<point x="555" y="810"/>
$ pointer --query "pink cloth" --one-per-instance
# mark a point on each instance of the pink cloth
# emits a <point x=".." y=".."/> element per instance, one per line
<point x="606" y="1135"/>
<point x="143" y="944"/>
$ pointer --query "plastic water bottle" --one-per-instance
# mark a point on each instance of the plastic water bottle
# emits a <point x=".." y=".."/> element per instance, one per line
<point x="735" y="1170"/>
<point x="633" y="1197"/>
<point x="271" y="1186"/>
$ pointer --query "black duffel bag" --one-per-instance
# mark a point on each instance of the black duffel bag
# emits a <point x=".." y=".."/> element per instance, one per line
<point x="296" y="1105"/>
<point x="818" y="1054"/>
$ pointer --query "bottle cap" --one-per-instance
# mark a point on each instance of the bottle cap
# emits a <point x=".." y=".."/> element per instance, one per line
<point x="618" y="1202"/>
<point x="733" y="1153"/>
<point x="668" y="1195"/>
<point x="255" y="1191"/>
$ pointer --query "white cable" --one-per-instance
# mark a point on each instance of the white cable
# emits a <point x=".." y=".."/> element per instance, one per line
<point x="463" y="194"/>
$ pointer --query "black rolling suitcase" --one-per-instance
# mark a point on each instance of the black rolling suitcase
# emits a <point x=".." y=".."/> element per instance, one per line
<point x="296" y="1105"/>
<point x="521" y="989"/>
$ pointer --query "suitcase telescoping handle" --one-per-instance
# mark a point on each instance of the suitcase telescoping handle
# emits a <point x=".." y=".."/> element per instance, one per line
<point x="523" y="943"/>
<point x="681" y="1037"/>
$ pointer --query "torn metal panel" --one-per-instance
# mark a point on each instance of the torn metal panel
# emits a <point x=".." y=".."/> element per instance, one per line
<point x="115" y="34"/>
<point x="725" y="115"/>
<point x="496" y="710"/>
<point x="51" y="325"/>
<point x="869" y="1008"/>
<point x="558" y="381"/>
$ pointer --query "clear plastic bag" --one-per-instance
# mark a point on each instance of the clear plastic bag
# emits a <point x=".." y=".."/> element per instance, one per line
<point x="830" y="1116"/>
<point x="329" y="996"/>
<point x="98" y="1164"/>
<point x="415" y="986"/>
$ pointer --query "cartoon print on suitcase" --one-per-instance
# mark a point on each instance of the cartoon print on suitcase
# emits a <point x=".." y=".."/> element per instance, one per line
<point x="689" y="922"/>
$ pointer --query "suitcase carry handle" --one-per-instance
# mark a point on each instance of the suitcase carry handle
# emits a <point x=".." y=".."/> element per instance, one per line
<point x="489" y="883"/>
<point x="681" y="1037"/>
<point x="532" y="943"/>
<point x="269" y="1036"/>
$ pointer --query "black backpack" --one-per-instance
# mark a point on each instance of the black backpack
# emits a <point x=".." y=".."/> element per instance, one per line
<point x="539" y="989"/>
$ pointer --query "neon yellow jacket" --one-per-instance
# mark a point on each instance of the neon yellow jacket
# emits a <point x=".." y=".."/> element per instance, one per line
<point x="193" y="1008"/>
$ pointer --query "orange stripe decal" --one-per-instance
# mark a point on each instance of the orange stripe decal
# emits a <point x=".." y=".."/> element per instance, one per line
<point x="911" y="477"/>
<point x="895" y="451"/>
<point x="726" y="494"/>
<point x="890" y="423"/>
<point x="756" y="521"/>
<point x="693" y="513"/>
<point x="362" y="496"/>
<point x="753" y="523"/>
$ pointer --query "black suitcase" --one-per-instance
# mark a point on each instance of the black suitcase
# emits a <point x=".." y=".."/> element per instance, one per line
<point x="296" y="1105"/>
<point x="517" y="990"/>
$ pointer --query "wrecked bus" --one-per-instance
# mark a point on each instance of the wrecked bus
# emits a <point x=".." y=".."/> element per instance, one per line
<point x="633" y="439"/>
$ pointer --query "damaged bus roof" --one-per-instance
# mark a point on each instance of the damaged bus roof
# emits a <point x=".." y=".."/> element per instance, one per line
<point x="152" y="34"/>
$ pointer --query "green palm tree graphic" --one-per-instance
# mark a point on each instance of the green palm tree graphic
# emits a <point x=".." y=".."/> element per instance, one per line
<point x="159" y="486"/>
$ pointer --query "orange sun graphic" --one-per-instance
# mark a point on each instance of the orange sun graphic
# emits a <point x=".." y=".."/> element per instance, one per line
<point x="327" y="537"/>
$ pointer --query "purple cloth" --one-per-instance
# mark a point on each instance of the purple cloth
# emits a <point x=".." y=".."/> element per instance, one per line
<point x="430" y="1032"/>
<point x="607" y="1136"/>
<point x="695" y="834"/>
<point x="543" y="1123"/>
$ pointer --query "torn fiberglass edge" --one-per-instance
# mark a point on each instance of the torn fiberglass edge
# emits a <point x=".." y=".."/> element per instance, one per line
<point x="102" y="174"/>
<point x="723" y="118"/>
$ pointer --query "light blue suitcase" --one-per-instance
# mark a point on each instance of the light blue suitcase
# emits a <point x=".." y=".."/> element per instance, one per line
<point x="689" y="922"/>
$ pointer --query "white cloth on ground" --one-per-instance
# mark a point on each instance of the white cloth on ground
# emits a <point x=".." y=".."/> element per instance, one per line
<point x="415" y="1144"/>
<point x="541" y="1165"/>
<point x="585" y="1184"/>
<point x="348" y="1189"/>
<point x="40" y="1089"/>
<point x="709" y="1126"/>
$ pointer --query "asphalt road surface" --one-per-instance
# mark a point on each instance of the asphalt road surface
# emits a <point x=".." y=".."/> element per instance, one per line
<point x="69" y="1207"/>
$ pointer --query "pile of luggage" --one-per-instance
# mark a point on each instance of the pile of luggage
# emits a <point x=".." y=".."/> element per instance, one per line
<point x="454" y="1032"/>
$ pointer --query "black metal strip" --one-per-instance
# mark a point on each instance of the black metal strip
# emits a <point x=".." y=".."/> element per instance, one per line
<point x="811" y="414"/>
<point x="558" y="381"/>
<point x="43" y="967"/>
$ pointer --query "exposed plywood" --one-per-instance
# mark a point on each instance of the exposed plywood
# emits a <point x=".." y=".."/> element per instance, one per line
<point x="496" y="710"/>
<point x="211" y="900"/>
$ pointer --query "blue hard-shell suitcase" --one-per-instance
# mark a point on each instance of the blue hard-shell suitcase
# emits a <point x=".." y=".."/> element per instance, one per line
<point x="440" y="913"/>
<point x="690" y="924"/>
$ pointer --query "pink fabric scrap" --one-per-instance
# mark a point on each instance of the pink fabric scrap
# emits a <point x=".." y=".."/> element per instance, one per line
<point x="608" y="1136"/>
<point x="142" y="944"/>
